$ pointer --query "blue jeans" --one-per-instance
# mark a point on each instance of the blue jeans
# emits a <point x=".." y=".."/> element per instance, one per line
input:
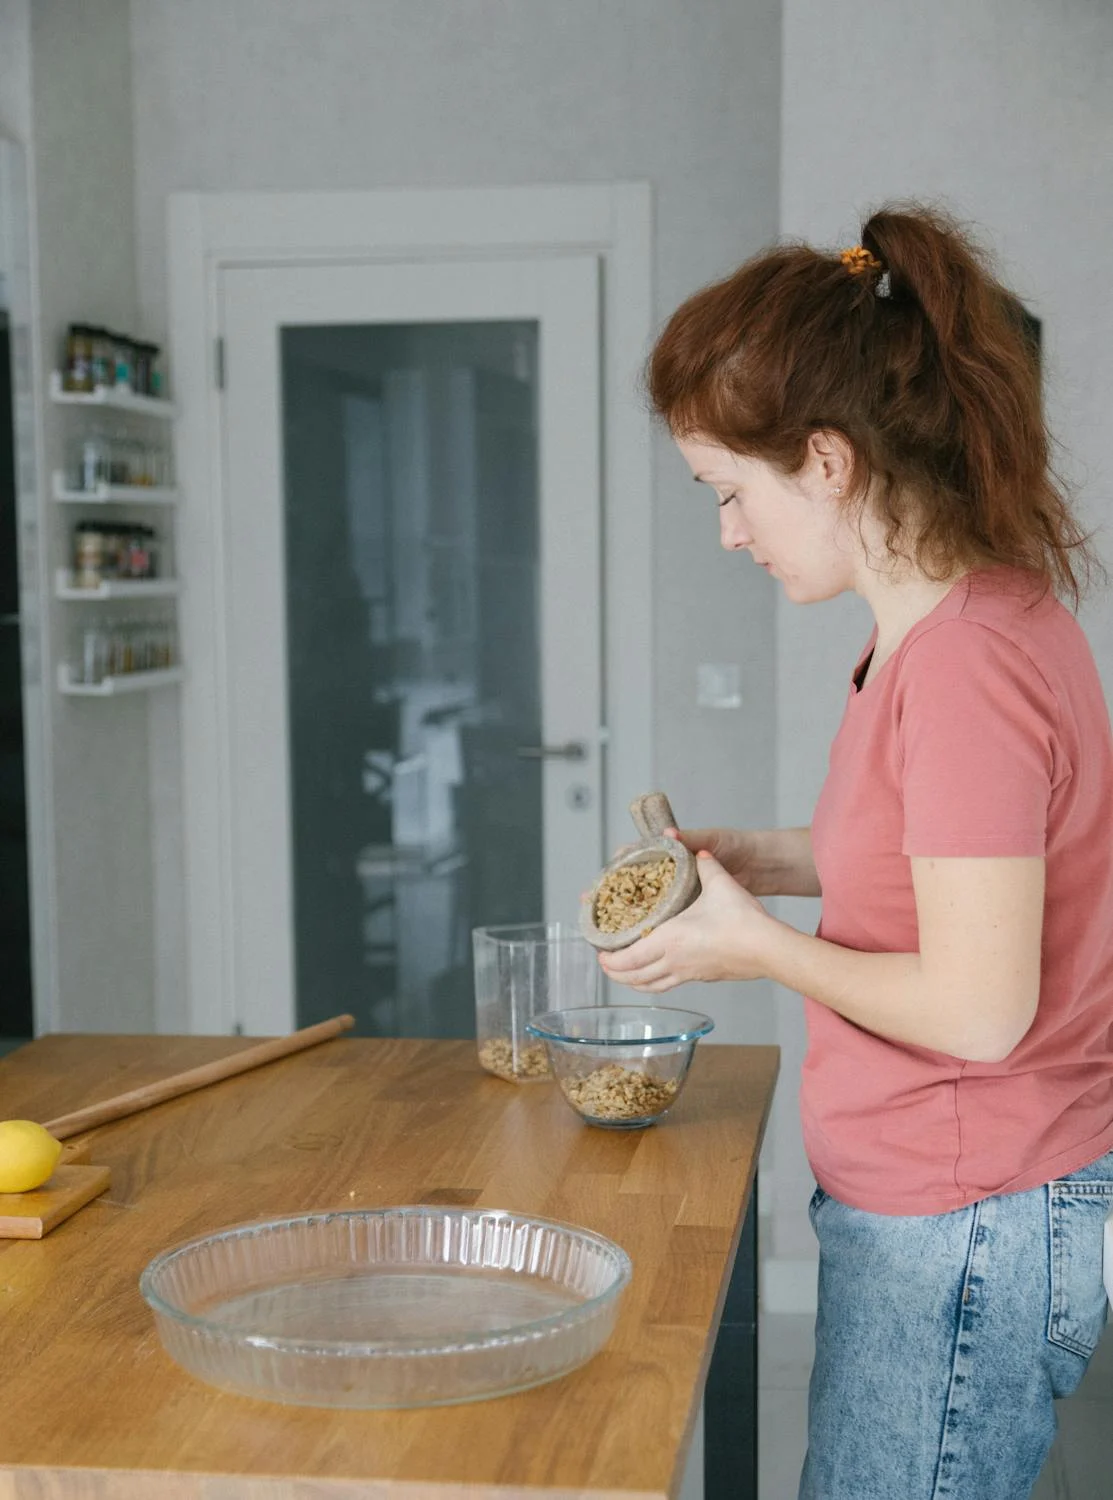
<point x="942" y="1340"/>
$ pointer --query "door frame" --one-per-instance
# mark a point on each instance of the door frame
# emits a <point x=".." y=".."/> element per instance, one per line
<point x="209" y="232"/>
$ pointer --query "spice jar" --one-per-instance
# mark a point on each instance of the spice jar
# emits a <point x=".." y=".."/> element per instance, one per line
<point x="124" y="361"/>
<point x="128" y="461"/>
<point x="139" y="550"/>
<point x="104" y="357"/>
<point x="145" y="356"/>
<point x="117" y="458"/>
<point x="152" y="466"/>
<point x="110" y="532"/>
<point x="123" y="648"/>
<point x="88" y="555"/>
<point x="88" y="654"/>
<point x="520" y="973"/>
<point x="79" y="451"/>
<point x="94" y="462"/>
<point x="77" y="374"/>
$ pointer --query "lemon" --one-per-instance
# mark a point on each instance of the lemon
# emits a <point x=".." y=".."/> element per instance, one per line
<point x="28" y="1155"/>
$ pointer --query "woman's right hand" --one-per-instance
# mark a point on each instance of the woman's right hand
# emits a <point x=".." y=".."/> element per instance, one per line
<point x="765" y="861"/>
<point x="736" y="849"/>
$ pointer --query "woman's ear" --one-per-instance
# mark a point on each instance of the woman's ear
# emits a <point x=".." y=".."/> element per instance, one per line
<point x="830" y="460"/>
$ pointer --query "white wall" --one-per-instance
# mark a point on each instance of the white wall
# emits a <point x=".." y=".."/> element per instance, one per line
<point x="15" y="68"/>
<point x="81" y="92"/>
<point x="287" y="94"/>
<point x="1003" y="109"/>
<point x="65" y="95"/>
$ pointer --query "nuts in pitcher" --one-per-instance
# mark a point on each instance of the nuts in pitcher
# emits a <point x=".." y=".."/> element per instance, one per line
<point x="627" y="895"/>
<point x="616" y="1093"/>
<point x="496" y="1054"/>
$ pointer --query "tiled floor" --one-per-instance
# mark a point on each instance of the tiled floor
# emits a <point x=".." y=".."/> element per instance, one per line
<point x="1080" y="1466"/>
<point x="785" y="1348"/>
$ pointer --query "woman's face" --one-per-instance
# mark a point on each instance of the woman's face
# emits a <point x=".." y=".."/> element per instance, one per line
<point x="793" y="527"/>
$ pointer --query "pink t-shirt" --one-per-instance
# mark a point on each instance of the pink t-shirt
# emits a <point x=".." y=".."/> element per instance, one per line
<point x="985" y="733"/>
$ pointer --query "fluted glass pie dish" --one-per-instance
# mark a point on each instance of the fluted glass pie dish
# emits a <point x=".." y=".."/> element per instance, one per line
<point x="392" y="1307"/>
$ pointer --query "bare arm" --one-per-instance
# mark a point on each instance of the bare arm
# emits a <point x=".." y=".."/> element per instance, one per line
<point x="973" y="988"/>
<point x="971" y="991"/>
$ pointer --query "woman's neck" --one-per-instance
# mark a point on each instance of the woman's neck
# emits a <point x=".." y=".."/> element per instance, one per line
<point x="899" y="600"/>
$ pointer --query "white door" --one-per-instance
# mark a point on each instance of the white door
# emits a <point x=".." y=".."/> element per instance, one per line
<point x="412" y="553"/>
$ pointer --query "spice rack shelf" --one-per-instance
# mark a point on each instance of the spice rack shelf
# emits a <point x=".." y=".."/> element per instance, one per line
<point x="97" y="454"/>
<point x="112" y="494"/>
<point x="107" y="397"/>
<point x="113" y="588"/>
<point x="112" y="687"/>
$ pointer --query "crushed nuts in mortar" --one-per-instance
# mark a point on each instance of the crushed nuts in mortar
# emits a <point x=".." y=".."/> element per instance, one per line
<point x="497" y="1056"/>
<point x="616" y="1093"/>
<point x="627" y="895"/>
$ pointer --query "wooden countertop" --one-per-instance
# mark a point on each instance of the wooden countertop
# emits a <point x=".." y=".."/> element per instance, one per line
<point x="92" y="1408"/>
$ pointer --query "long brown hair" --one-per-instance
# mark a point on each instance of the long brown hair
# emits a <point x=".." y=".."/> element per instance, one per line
<point x="921" y="361"/>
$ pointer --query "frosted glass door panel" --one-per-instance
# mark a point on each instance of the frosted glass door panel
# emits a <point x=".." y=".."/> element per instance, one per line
<point x="409" y="523"/>
<point x="414" y="670"/>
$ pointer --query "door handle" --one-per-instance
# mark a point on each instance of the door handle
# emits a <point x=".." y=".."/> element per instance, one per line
<point x="573" y="750"/>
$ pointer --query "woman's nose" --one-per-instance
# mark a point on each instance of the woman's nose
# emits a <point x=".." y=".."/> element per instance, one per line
<point x="733" y="535"/>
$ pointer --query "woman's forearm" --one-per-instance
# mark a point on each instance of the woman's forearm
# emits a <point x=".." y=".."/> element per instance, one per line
<point x="890" y="994"/>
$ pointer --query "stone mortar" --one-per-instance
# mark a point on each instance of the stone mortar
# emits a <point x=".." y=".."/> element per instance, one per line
<point x="652" y="814"/>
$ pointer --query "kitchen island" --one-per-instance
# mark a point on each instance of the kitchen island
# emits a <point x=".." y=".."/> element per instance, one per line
<point x="92" y="1408"/>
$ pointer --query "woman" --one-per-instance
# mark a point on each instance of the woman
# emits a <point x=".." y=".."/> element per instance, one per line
<point x="871" y="421"/>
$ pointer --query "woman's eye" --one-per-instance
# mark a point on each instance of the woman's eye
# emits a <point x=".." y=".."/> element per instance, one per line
<point x="726" y="500"/>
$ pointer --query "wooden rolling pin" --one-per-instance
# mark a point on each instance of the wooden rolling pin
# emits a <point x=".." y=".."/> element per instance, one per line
<point x="195" y="1078"/>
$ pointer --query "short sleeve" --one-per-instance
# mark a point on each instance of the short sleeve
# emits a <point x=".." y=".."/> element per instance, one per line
<point x="977" y="734"/>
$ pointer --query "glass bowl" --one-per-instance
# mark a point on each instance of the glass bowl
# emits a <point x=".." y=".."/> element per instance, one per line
<point x="621" y="1066"/>
<point x="391" y="1307"/>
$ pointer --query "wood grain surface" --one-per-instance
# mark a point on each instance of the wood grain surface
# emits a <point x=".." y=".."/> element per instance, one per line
<point x="93" y="1409"/>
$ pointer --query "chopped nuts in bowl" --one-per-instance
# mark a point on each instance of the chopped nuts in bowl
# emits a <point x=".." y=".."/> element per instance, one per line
<point x="620" y="1066"/>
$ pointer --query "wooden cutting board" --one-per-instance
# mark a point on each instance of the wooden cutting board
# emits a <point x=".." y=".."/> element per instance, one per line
<point x="29" y="1216"/>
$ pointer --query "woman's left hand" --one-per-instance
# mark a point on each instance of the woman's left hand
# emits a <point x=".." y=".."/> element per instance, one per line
<point x="720" y="936"/>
